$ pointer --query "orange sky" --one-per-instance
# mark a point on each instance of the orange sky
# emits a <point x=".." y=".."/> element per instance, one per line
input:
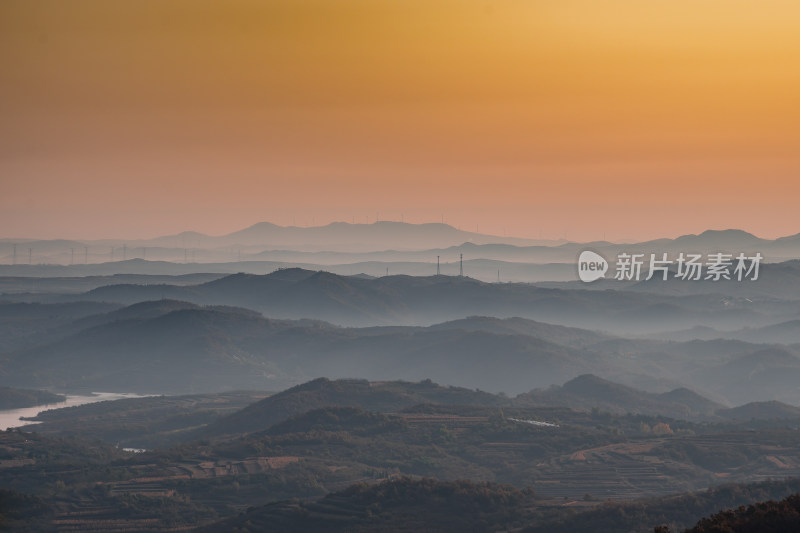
<point x="629" y="119"/>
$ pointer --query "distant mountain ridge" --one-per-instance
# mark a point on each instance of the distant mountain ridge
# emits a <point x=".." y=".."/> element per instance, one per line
<point x="386" y="247"/>
<point x="393" y="241"/>
<point x="421" y="300"/>
<point x="344" y="236"/>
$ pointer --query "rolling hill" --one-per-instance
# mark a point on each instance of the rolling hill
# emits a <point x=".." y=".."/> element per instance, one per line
<point x="169" y="346"/>
<point x="591" y="392"/>
<point x="370" y="396"/>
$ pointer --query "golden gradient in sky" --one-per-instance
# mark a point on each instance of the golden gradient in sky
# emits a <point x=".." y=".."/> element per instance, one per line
<point x="577" y="118"/>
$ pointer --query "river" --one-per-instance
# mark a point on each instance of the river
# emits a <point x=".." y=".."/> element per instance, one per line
<point x="10" y="418"/>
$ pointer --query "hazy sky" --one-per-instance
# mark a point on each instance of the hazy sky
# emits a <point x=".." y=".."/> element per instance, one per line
<point x="629" y="118"/>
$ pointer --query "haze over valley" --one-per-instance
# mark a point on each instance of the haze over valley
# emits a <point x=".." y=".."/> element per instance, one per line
<point x="269" y="375"/>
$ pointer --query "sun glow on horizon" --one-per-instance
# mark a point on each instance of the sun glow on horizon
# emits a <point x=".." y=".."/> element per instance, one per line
<point x="631" y="119"/>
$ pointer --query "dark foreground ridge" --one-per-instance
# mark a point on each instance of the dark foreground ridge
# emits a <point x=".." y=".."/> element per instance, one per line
<point x="336" y="455"/>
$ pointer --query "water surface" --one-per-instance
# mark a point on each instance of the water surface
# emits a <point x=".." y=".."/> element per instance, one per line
<point x="10" y="418"/>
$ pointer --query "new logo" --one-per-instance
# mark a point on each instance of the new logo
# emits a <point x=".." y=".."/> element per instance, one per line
<point x="591" y="266"/>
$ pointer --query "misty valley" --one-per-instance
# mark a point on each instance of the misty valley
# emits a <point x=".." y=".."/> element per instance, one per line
<point x="272" y="393"/>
